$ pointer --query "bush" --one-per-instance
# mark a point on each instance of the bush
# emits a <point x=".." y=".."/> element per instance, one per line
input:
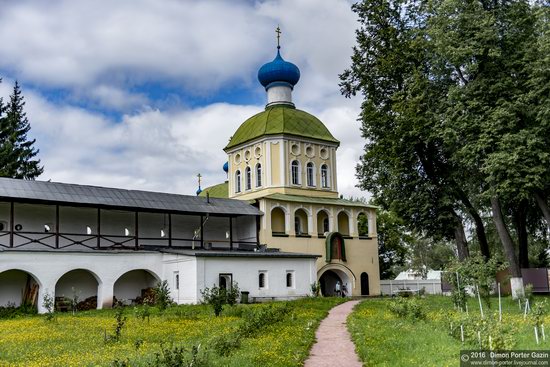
<point x="119" y="325"/>
<point x="179" y="356"/>
<point x="236" y="311"/>
<point x="162" y="295"/>
<point x="501" y="333"/>
<point x="473" y="272"/>
<point x="217" y="297"/>
<point x="315" y="289"/>
<point x="10" y="311"/>
<point x="411" y="308"/>
<point x="49" y="304"/>
<point x="143" y="312"/>
<point x="257" y="318"/>
<point x="538" y="312"/>
<point x="224" y="345"/>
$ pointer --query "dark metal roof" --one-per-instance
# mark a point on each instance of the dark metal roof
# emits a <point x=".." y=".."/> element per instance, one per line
<point x="81" y="195"/>
<point x="215" y="253"/>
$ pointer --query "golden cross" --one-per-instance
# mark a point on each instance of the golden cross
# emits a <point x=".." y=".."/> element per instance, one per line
<point x="278" y="31"/>
<point x="199" y="176"/>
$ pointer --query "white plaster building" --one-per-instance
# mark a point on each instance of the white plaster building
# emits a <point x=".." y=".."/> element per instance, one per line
<point x="104" y="243"/>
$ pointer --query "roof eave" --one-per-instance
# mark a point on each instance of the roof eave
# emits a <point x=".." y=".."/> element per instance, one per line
<point x="229" y="147"/>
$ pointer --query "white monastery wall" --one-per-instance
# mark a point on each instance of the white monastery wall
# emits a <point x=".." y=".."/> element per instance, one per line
<point x="48" y="268"/>
<point x="245" y="271"/>
<point x="184" y="268"/>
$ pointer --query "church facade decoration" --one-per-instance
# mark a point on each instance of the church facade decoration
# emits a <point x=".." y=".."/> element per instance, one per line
<point x="336" y="247"/>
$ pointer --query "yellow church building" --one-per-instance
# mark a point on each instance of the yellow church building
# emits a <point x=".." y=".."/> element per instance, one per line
<point x="283" y="160"/>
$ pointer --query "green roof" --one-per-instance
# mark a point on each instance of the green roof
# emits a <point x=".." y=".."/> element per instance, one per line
<point x="319" y="200"/>
<point x="281" y="119"/>
<point x="217" y="191"/>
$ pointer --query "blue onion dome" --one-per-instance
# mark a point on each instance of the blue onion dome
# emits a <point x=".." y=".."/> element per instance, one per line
<point x="199" y="191"/>
<point x="278" y="71"/>
<point x="226" y="167"/>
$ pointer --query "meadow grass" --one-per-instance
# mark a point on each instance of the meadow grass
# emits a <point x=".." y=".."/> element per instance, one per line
<point x="79" y="340"/>
<point x="384" y="339"/>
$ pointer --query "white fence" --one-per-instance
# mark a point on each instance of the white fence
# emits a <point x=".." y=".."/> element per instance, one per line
<point x="392" y="287"/>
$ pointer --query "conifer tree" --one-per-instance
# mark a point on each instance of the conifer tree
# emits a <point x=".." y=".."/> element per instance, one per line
<point x="17" y="152"/>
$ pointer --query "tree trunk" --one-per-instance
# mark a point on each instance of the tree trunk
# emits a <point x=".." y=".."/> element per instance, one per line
<point x="480" y="227"/>
<point x="520" y="222"/>
<point x="461" y="242"/>
<point x="516" y="281"/>
<point x="541" y="202"/>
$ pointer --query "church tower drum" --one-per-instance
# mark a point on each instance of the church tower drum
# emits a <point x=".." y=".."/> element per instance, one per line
<point x="281" y="149"/>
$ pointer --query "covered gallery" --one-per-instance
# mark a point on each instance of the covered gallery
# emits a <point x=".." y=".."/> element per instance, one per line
<point x="100" y="244"/>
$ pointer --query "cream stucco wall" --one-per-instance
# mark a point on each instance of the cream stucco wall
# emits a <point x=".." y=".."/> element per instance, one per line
<point x="275" y="154"/>
<point x="361" y="252"/>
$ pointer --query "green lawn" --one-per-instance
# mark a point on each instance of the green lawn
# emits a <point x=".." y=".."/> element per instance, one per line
<point x="383" y="339"/>
<point x="79" y="340"/>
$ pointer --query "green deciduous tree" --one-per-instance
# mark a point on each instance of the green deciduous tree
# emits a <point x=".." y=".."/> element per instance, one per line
<point x="393" y="243"/>
<point x="17" y="152"/>
<point x="406" y="164"/>
<point x="456" y="115"/>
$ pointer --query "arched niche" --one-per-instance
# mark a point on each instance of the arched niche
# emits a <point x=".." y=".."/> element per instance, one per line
<point x="18" y="287"/>
<point x="131" y="286"/>
<point x="80" y="285"/>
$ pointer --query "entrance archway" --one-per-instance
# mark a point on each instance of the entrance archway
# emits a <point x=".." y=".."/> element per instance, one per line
<point x="80" y="285"/>
<point x="328" y="280"/>
<point x="364" y="284"/>
<point x="130" y="286"/>
<point x="17" y="287"/>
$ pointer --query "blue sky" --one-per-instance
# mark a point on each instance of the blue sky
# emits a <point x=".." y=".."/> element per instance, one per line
<point x="145" y="93"/>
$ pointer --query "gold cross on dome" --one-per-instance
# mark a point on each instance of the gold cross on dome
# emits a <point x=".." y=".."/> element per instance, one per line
<point x="278" y="31"/>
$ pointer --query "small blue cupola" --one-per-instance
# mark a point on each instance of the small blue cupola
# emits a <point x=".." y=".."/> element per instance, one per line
<point x="278" y="72"/>
<point x="279" y="78"/>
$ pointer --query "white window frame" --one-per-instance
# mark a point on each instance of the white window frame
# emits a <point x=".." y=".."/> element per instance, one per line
<point x="258" y="175"/>
<point x="310" y="173"/>
<point x="325" y="178"/>
<point x="295" y="178"/>
<point x="248" y="178"/>
<point x="237" y="181"/>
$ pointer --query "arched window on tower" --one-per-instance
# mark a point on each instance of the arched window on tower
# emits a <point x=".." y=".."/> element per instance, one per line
<point x="324" y="176"/>
<point x="297" y="226"/>
<point x="248" y="176"/>
<point x="301" y="223"/>
<point x="295" y="172"/>
<point x="310" y="174"/>
<point x="238" y="181"/>
<point x="258" y="175"/>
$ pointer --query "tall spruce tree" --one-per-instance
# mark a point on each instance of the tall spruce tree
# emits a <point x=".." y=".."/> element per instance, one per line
<point x="17" y="152"/>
